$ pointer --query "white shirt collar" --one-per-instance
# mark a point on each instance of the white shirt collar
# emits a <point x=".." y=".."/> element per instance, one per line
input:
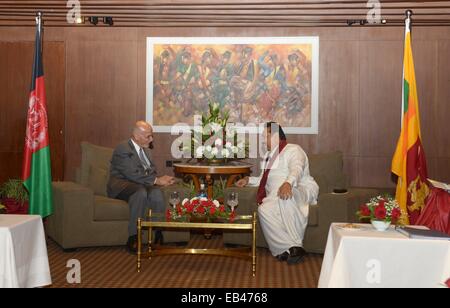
<point x="136" y="146"/>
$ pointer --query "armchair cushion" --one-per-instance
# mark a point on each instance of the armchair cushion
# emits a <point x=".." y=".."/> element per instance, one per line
<point x="93" y="156"/>
<point x="107" y="209"/>
<point x="97" y="181"/>
<point x="327" y="170"/>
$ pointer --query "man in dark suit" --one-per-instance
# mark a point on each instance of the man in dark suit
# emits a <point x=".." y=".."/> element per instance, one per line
<point x="133" y="178"/>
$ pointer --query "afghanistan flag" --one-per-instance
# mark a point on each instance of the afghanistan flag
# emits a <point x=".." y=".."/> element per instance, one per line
<point x="36" y="173"/>
<point x="409" y="162"/>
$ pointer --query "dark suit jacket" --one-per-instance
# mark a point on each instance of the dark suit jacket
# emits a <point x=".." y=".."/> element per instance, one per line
<point x="126" y="167"/>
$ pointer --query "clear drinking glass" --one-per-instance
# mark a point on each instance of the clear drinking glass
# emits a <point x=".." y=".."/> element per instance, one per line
<point x="174" y="199"/>
<point x="233" y="200"/>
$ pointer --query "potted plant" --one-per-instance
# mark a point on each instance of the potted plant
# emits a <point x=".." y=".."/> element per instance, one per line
<point x="216" y="142"/>
<point x="14" y="197"/>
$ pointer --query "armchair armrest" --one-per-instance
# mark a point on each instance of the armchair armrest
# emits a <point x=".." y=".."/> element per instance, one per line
<point x="330" y="208"/>
<point x="73" y="212"/>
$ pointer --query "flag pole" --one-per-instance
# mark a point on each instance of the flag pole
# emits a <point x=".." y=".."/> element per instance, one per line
<point x="408" y="19"/>
<point x="408" y="14"/>
<point x="39" y="21"/>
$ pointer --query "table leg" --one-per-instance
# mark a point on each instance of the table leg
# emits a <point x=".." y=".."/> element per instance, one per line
<point x="254" y="246"/>
<point x="149" y="236"/>
<point x="196" y="181"/>
<point x="139" y="244"/>
<point x="210" y="183"/>
<point x="232" y="179"/>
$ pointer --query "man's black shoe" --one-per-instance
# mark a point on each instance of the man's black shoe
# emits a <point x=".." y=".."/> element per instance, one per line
<point x="132" y="244"/>
<point x="283" y="257"/>
<point x="296" y="255"/>
<point x="159" y="238"/>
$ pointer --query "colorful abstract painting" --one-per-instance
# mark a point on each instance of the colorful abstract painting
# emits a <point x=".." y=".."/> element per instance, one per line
<point x="255" y="79"/>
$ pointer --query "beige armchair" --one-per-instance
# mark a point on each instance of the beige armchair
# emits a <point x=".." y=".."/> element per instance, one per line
<point x="83" y="214"/>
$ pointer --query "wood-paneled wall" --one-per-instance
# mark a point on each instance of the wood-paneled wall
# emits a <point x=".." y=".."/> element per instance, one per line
<point x="359" y="102"/>
<point x="16" y="58"/>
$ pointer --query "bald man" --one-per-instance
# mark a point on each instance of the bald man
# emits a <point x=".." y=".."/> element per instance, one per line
<point x="133" y="178"/>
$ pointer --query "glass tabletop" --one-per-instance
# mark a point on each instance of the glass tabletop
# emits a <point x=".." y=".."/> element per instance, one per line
<point x="239" y="219"/>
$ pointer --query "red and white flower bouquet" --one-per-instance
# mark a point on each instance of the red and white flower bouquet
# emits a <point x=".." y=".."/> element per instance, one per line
<point x="381" y="208"/>
<point x="199" y="209"/>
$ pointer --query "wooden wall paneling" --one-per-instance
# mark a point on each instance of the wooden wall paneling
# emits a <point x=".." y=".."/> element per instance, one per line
<point x="339" y="97"/>
<point x="106" y="78"/>
<point x="425" y="58"/>
<point x="20" y="59"/>
<point x="14" y="106"/>
<point x="380" y="97"/>
<point x="375" y="172"/>
<point x="442" y="170"/>
<point x="443" y="101"/>
<point x="102" y="94"/>
<point x="55" y="82"/>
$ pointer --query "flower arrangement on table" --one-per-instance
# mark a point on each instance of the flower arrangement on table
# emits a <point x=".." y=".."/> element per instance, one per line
<point x="381" y="209"/>
<point x="199" y="209"/>
<point x="217" y="141"/>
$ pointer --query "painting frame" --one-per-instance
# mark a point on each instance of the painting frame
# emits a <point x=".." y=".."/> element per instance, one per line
<point x="313" y="128"/>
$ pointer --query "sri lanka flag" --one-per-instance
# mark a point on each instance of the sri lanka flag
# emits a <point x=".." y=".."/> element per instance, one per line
<point x="36" y="172"/>
<point x="409" y="162"/>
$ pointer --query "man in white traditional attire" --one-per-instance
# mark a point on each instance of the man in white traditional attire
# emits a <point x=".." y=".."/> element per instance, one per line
<point x="285" y="192"/>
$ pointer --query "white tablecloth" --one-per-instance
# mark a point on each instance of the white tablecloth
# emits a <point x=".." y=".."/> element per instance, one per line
<point x="23" y="252"/>
<point x="367" y="258"/>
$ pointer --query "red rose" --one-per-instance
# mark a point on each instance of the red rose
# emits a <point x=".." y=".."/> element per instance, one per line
<point x="222" y="209"/>
<point x="179" y="210"/>
<point x="396" y="213"/>
<point x="382" y="202"/>
<point x="448" y="283"/>
<point x="212" y="210"/>
<point x="201" y="210"/>
<point x="189" y="208"/>
<point x="204" y="203"/>
<point x="232" y="216"/>
<point x="364" y="210"/>
<point x="380" y="212"/>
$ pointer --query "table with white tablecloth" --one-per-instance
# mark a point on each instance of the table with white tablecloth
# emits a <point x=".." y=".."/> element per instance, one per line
<point x="23" y="252"/>
<point x="368" y="258"/>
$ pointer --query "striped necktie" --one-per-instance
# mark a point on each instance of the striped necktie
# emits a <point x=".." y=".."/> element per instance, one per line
<point x="143" y="159"/>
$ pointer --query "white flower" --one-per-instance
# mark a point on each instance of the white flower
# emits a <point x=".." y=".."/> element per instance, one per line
<point x="228" y="144"/>
<point x="214" y="151"/>
<point x="218" y="142"/>
<point x="193" y="199"/>
<point x="203" y="199"/>
<point x="241" y="145"/>
<point x="200" y="150"/>
<point x="235" y="150"/>
<point x="216" y="203"/>
<point x="208" y="148"/>
<point x="184" y="201"/>
<point x="226" y="153"/>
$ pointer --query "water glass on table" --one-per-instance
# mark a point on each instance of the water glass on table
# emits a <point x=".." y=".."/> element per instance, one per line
<point x="174" y="199"/>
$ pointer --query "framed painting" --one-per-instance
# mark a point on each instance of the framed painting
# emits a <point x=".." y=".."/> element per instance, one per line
<point x="255" y="79"/>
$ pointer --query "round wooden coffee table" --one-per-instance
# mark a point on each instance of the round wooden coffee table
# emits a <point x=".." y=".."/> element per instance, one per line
<point x="233" y="170"/>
